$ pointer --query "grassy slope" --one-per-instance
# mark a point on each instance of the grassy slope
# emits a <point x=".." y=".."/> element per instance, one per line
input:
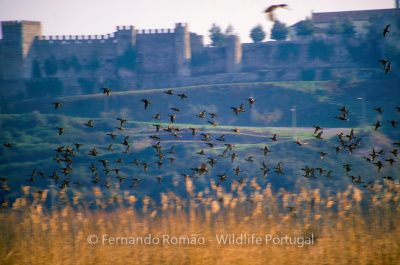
<point x="32" y="129"/>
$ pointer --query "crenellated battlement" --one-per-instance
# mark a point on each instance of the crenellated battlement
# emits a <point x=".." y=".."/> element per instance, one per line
<point x="159" y="50"/>
<point x="119" y="28"/>
<point x="155" y="31"/>
<point x="181" y="25"/>
<point x="19" y="22"/>
<point x="76" y="37"/>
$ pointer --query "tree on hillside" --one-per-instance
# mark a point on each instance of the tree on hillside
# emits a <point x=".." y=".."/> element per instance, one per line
<point x="348" y="28"/>
<point x="305" y="28"/>
<point x="229" y="31"/>
<point x="257" y="34"/>
<point x="334" y="28"/>
<point x="279" y="31"/>
<point x="217" y="36"/>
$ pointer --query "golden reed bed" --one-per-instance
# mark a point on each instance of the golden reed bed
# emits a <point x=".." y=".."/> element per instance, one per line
<point x="357" y="226"/>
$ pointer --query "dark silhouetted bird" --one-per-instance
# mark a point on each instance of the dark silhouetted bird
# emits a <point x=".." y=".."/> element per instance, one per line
<point x="183" y="96"/>
<point x="77" y="145"/>
<point x="250" y="159"/>
<point x="107" y="91"/>
<point x="110" y="147"/>
<point x="236" y="130"/>
<point x="206" y="137"/>
<point x="222" y="177"/>
<point x="239" y="109"/>
<point x="377" y="125"/>
<point x="169" y="92"/>
<point x="8" y="145"/>
<point x="347" y="167"/>
<point x="212" y="161"/>
<point x="89" y="123"/>
<point x="57" y="105"/>
<point x="237" y="170"/>
<point x="112" y="135"/>
<point x="156" y="116"/>
<point x="265" y="150"/>
<point x="394" y="152"/>
<point x="386" y="30"/>
<point x="93" y="152"/>
<point x="278" y="169"/>
<point x="379" y="165"/>
<point x="342" y="117"/>
<point x="158" y="127"/>
<point x="388" y="67"/>
<point x="201" y="152"/>
<point x="202" y="114"/>
<point x="213" y="123"/>
<point x="322" y="155"/>
<point x="379" y="110"/>
<point x="172" y="118"/>
<point x="60" y="130"/>
<point x="393" y="123"/>
<point x="391" y="161"/>
<point x="146" y="103"/>
<point x="175" y="109"/>
<point x="251" y="101"/>
<point x="317" y="128"/>
<point x="122" y="121"/>
<point x="270" y="10"/>
<point x="319" y="135"/>
<point x="212" y="115"/>
<point x="194" y="130"/>
<point x="383" y="62"/>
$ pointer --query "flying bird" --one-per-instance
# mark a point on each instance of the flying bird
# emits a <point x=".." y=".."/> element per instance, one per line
<point x="60" y="130"/>
<point x="146" y="103"/>
<point x="107" y="91"/>
<point x="377" y="125"/>
<point x="169" y="92"/>
<point x="183" y="96"/>
<point x="386" y="30"/>
<point x="8" y="145"/>
<point x="251" y="101"/>
<point x="90" y="123"/>
<point x="270" y="10"/>
<point x="56" y="105"/>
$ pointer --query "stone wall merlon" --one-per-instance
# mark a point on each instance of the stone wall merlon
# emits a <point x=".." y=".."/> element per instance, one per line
<point x="154" y="31"/>
<point x="124" y="28"/>
<point x="16" y="22"/>
<point x="75" y="37"/>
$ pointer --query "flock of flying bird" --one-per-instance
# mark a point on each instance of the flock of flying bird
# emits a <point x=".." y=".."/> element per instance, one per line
<point x="65" y="155"/>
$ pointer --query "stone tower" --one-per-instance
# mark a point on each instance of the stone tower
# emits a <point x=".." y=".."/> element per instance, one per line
<point x="126" y="38"/>
<point x="18" y="38"/>
<point x="233" y="53"/>
<point x="182" y="49"/>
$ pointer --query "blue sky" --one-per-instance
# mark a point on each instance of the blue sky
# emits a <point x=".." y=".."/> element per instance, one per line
<point x="78" y="17"/>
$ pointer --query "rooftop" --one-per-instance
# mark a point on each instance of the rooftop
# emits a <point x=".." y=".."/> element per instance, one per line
<point x="325" y="17"/>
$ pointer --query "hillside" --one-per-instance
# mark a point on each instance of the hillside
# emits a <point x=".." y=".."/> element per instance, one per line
<point x="30" y="125"/>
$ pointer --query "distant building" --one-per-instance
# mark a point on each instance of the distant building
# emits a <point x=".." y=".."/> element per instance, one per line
<point x="361" y="20"/>
<point x="130" y="58"/>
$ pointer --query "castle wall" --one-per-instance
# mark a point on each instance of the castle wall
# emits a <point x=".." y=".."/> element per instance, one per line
<point x="156" y="52"/>
<point x="208" y="60"/>
<point x="256" y="55"/>
<point x="196" y="42"/>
